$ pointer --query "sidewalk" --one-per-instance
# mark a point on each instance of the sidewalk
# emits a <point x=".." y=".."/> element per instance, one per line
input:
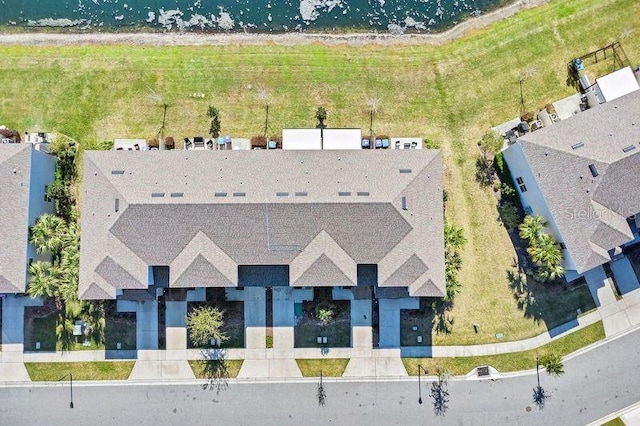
<point x="618" y="316"/>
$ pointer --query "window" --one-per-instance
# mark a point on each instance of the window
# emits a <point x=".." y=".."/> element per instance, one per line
<point x="562" y="246"/>
<point x="523" y="188"/>
<point x="528" y="210"/>
<point x="47" y="198"/>
<point x="520" y="181"/>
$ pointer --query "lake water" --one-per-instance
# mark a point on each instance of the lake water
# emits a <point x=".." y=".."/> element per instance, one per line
<point x="244" y="15"/>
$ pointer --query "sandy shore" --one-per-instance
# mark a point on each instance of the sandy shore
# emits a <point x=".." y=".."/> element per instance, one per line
<point x="195" y="39"/>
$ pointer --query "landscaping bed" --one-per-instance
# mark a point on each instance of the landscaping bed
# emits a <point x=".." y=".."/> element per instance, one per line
<point x="337" y="331"/>
<point x="120" y="327"/>
<point x="233" y="318"/>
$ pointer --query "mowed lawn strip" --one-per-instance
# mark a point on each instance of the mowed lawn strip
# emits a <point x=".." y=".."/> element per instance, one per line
<point x="451" y="93"/>
<point x="515" y="361"/>
<point x="330" y="367"/>
<point x="98" y="370"/>
<point x="200" y="370"/>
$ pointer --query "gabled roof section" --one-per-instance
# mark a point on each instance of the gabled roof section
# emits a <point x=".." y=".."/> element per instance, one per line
<point x="15" y="175"/>
<point x="590" y="209"/>
<point x="323" y="263"/>
<point x="202" y="273"/>
<point x="323" y="273"/>
<point x="197" y="259"/>
<point x="208" y="212"/>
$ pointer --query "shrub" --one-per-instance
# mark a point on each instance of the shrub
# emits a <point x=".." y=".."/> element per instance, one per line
<point x="153" y="143"/>
<point x="431" y="144"/>
<point x="259" y="141"/>
<point x="509" y="215"/>
<point x="169" y="142"/>
<point x="10" y="134"/>
<point x="527" y="116"/>
<point x="325" y="312"/>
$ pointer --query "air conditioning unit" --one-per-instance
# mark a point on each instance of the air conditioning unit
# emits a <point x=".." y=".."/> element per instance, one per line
<point x="536" y="125"/>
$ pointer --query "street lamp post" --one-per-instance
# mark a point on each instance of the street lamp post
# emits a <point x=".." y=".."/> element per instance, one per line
<point x="70" y="375"/>
<point x="420" y="368"/>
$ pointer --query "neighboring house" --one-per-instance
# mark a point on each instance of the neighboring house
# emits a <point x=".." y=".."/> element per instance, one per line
<point x="25" y="172"/>
<point x="370" y="221"/>
<point x="583" y="176"/>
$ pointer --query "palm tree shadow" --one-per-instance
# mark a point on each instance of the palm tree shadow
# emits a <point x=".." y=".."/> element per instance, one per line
<point x="524" y="297"/>
<point x="215" y="370"/>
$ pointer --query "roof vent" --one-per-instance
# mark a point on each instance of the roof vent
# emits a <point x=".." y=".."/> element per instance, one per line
<point x="177" y="194"/>
<point x="577" y="145"/>
<point x="593" y="170"/>
<point x="157" y="194"/>
<point x="628" y="148"/>
<point x="301" y="194"/>
<point x="344" y="194"/>
<point x="117" y="172"/>
<point x="405" y="170"/>
<point x="404" y="203"/>
<point x="239" y="194"/>
<point x="363" y="193"/>
<point x="282" y="194"/>
<point x="220" y="194"/>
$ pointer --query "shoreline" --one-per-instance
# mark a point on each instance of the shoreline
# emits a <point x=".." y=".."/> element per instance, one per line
<point x="200" y="39"/>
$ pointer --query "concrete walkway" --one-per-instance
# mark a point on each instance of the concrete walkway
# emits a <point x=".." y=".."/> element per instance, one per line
<point x="617" y="315"/>
<point x="279" y="361"/>
<point x="12" y="355"/>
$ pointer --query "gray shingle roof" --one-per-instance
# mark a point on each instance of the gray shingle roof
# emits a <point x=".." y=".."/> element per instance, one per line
<point x="15" y="172"/>
<point x="320" y="212"/>
<point x="590" y="212"/>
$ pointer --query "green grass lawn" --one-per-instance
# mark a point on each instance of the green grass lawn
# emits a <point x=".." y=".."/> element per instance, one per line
<point x="202" y="369"/>
<point x="450" y="93"/>
<point x="330" y="367"/>
<point x="614" y="422"/>
<point x="100" y="370"/>
<point x="512" y="361"/>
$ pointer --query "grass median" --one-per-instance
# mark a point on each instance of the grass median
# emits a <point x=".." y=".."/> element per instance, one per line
<point x="330" y="367"/>
<point x="99" y="370"/>
<point x="223" y="369"/>
<point x="450" y="93"/>
<point x="515" y="361"/>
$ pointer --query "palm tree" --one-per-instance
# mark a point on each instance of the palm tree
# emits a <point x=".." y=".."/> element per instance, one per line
<point x="554" y="271"/>
<point x="545" y="251"/>
<point x="453" y="237"/>
<point x="45" y="279"/>
<point x="48" y="233"/>
<point x="531" y="227"/>
<point x="553" y="364"/>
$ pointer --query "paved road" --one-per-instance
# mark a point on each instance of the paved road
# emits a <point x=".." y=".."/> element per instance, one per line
<point x="595" y="384"/>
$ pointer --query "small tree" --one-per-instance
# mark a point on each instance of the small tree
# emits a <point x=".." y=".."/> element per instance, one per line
<point x="553" y="364"/>
<point x="490" y="144"/>
<point x="205" y="323"/>
<point x="213" y="114"/>
<point x="321" y="116"/>
<point x="325" y="312"/>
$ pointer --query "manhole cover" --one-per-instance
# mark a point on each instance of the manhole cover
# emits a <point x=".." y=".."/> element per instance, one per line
<point x="528" y="408"/>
